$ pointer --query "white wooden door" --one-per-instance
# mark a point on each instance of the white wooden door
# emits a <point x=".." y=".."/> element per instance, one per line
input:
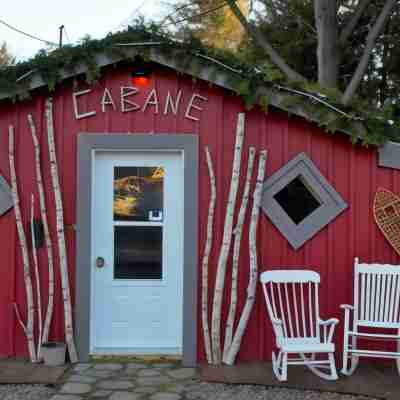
<point x="137" y="255"/>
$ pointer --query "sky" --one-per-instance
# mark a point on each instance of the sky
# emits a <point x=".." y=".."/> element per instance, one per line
<point x="42" y="18"/>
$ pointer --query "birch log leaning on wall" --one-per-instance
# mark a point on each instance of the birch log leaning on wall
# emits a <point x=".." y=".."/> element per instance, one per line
<point x="236" y="252"/>
<point x="37" y="277"/>
<point x="206" y="255"/>
<point x="69" y="331"/>
<point x="226" y="243"/>
<point x="28" y="327"/>
<point x="47" y="237"/>
<point x="251" y="289"/>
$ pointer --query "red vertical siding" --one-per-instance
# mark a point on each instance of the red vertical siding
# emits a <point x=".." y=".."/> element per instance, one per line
<point x="351" y="170"/>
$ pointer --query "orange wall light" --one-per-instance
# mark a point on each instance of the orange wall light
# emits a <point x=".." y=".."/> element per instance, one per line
<point x="139" y="80"/>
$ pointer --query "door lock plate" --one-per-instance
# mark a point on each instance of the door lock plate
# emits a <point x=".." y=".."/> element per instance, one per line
<point x="100" y="262"/>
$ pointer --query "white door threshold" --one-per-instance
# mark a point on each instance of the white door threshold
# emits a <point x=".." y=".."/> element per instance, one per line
<point x="137" y="351"/>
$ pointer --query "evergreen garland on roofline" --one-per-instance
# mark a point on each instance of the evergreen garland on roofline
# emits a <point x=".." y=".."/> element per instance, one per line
<point x="261" y="85"/>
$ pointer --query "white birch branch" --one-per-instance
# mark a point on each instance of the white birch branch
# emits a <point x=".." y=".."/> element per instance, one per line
<point x="226" y="243"/>
<point x="28" y="328"/>
<point x="19" y="319"/>
<point x="251" y="289"/>
<point x="36" y="272"/>
<point x="47" y="237"/>
<point x="69" y="331"/>
<point x="206" y="255"/>
<point x="236" y="251"/>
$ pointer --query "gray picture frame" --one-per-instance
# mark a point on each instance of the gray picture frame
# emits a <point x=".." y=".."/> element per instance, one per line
<point x="332" y="204"/>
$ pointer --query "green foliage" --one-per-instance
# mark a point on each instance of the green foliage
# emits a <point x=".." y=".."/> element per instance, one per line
<point x="264" y="102"/>
<point x="257" y="86"/>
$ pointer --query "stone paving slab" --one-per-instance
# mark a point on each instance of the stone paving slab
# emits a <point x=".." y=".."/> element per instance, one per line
<point x="127" y="381"/>
<point x="65" y="397"/>
<point x="101" y="393"/>
<point x="98" y="373"/>
<point x="148" y="372"/>
<point x="182" y="373"/>
<point x="75" y="388"/>
<point x="82" y="379"/>
<point x="115" y="385"/>
<point x="109" y="367"/>
<point x="153" y="380"/>
<point x="165" y="396"/>
<point x="124" y="396"/>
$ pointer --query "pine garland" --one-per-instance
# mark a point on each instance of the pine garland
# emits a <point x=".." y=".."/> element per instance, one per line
<point x="362" y="122"/>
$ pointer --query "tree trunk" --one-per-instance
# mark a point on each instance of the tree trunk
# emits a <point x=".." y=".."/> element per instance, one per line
<point x="327" y="51"/>
<point x="226" y="243"/>
<point x="207" y="250"/>
<point x="236" y="252"/>
<point x="69" y="331"/>
<point x="251" y="289"/>
<point x="263" y="43"/>
<point x="28" y="328"/>
<point x="47" y="237"/>
<point x="370" y="44"/>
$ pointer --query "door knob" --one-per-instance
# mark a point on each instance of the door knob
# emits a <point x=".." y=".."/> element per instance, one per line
<point x="100" y="262"/>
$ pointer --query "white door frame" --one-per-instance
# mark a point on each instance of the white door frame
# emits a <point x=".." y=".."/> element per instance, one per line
<point x="88" y="144"/>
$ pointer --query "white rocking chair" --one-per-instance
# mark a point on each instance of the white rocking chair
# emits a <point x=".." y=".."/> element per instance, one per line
<point x="292" y="303"/>
<point x="376" y="305"/>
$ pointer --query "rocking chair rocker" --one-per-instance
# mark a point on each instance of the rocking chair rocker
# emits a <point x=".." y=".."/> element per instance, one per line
<point x="376" y="305"/>
<point x="292" y="303"/>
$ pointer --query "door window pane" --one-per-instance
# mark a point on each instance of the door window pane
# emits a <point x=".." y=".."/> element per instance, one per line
<point x="137" y="252"/>
<point x="138" y="193"/>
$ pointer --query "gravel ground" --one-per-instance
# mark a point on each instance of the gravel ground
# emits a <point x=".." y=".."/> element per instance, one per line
<point x="25" y="392"/>
<point x="207" y="391"/>
<point x="200" y="391"/>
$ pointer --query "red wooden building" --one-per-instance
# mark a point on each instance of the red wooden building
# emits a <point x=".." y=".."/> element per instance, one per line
<point x="125" y="144"/>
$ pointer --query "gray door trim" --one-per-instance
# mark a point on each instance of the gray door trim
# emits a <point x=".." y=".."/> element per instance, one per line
<point x="87" y="146"/>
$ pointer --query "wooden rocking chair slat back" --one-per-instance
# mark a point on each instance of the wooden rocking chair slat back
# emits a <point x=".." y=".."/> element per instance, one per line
<point x="376" y="305"/>
<point x="292" y="298"/>
<point x="292" y="303"/>
<point x="376" y="295"/>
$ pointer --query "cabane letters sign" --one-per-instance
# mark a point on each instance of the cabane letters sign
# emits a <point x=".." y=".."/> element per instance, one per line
<point x="125" y="102"/>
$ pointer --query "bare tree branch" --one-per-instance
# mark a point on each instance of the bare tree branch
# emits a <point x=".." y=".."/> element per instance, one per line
<point x="327" y="51"/>
<point x="270" y="6"/>
<point x="370" y="44"/>
<point x="352" y="23"/>
<point x="261" y="41"/>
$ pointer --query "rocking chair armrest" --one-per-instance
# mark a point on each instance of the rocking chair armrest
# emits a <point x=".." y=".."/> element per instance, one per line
<point x="329" y="321"/>
<point x="328" y="334"/>
<point x="276" y="321"/>
<point x="346" y="307"/>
